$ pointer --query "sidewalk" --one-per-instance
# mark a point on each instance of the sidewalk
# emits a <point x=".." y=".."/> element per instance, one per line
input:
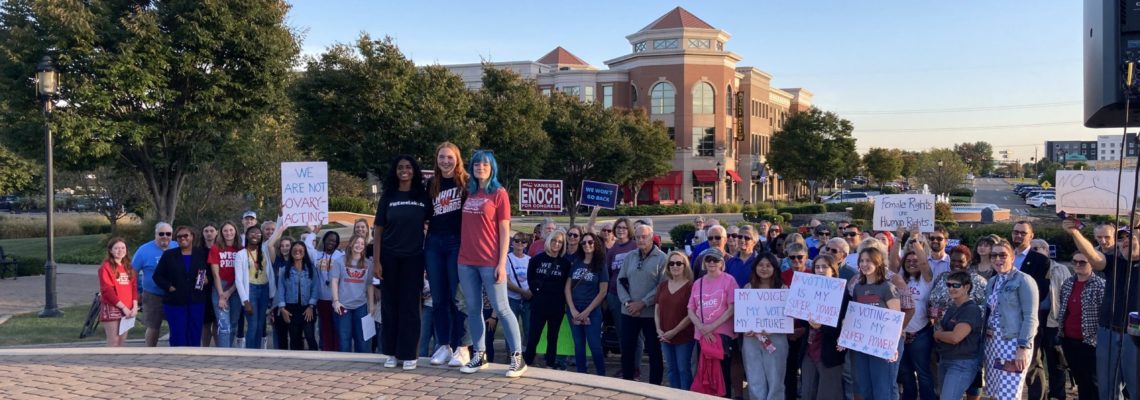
<point x="75" y="284"/>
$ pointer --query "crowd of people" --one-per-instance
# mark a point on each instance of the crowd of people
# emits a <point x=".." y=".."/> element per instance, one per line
<point x="440" y="268"/>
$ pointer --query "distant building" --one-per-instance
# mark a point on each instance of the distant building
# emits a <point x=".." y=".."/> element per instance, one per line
<point x="717" y="111"/>
<point x="1056" y="151"/>
<point x="1109" y="147"/>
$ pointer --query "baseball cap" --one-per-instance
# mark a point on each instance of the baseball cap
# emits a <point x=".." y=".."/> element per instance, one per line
<point x="249" y="214"/>
<point x="713" y="252"/>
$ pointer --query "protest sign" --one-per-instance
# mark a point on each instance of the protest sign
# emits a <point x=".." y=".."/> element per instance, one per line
<point x="1095" y="192"/>
<point x="815" y="298"/>
<point x="304" y="193"/>
<point x="904" y="210"/>
<point x="761" y="310"/>
<point x="871" y="330"/>
<point x="599" y="194"/>
<point x="541" y="195"/>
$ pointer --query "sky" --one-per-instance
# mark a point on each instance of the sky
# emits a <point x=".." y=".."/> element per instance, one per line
<point x="908" y="74"/>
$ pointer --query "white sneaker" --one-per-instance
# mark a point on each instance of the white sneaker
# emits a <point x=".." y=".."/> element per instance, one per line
<point x="390" y="362"/>
<point x="459" y="358"/>
<point x="517" y="367"/>
<point x="441" y="356"/>
<point x="410" y="365"/>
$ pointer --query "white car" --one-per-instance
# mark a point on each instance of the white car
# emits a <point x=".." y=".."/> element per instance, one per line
<point x="848" y="197"/>
<point x="1046" y="199"/>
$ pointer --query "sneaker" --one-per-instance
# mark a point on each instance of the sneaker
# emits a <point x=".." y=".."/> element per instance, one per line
<point x="518" y="366"/>
<point x="459" y="358"/>
<point x="441" y="356"/>
<point x="390" y="362"/>
<point x="410" y="365"/>
<point x="478" y="362"/>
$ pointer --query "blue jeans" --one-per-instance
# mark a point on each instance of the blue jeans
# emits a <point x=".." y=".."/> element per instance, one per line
<point x="476" y="280"/>
<point x="916" y="361"/>
<point x="1107" y="347"/>
<point x="679" y="362"/>
<point x="877" y="378"/>
<point x="441" y="259"/>
<point x="349" y="332"/>
<point x="227" y="319"/>
<point x="957" y="376"/>
<point x="255" y="329"/>
<point x="589" y="334"/>
<point x="521" y="308"/>
<point x="426" y="332"/>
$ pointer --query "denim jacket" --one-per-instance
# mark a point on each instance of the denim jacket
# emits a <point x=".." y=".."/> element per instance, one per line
<point x="291" y="284"/>
<point x="1017" y="306"/>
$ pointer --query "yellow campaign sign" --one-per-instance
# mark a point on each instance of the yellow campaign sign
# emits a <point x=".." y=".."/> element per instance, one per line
<point x="1046" y="185"/>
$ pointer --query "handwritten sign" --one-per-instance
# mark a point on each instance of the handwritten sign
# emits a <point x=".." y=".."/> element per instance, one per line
<point x="815" y="298"/>
<point x="904" y="210"/>
<point x="871" y="330"/>
<point x="541" y="195"/>
<point x="761" y="310"/>
<point x="1094" y="192"/>
<point x="305" y="193"/>
<point x="599" y="194"/>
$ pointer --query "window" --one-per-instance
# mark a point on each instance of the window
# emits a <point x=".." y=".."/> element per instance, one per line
<point x="633" y="94"/>
<point x="728" y="101"/>
<point x="661" y="98"/>
<point x="546" y="92"/>
<point x="607" y="96"/>
<point x="703" y="99"/>
<point x="665" y="44"/>
<point x="730" y="142"/>
<point x="572" y="91"/>
<point x="699" y="43"/>
<point x="663" y="193"/>
<point x="720" y="45"/>
<point x="589" y="93"/>
<point x="672" y="134"/>
<point x="704" y="140"/>
<point x="638" y="47"/>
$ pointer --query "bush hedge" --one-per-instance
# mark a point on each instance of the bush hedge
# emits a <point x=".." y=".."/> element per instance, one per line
<point x="351" y="204"/>
<point x="962" y="192"/>
<point x="803" y="209"/>
<point x="678" y="233"/>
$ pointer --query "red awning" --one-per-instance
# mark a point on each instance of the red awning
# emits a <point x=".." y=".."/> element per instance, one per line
<point x="735" y="177"/>
<point x="704" y="175"/>
<point x="673" y="178"/>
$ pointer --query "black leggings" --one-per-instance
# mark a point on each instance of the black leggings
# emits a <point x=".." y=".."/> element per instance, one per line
<point x="299" y="328"/>
<point x="546" y="310"/>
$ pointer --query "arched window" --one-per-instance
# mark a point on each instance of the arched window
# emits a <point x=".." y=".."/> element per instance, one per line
<point x="704" y="98"/>
<point x="728" y="100"/>
<point x="661" y="98"/>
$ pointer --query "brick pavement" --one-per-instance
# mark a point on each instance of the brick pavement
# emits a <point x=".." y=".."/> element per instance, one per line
<point x="174" y="373"/>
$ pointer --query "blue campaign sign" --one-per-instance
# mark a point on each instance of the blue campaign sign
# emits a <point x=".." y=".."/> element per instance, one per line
<point x="599" y="194"/>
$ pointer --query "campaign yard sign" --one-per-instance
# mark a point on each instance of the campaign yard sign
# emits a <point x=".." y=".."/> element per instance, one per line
<point x="815" y="298"/>
<point x="761" y="310"/>
<point x="599" y="194"/>
<point x="304" y="193"/>
<point x="871" y="330"/>
<point x="904" y="210"/>
<point x="540" y="195"/>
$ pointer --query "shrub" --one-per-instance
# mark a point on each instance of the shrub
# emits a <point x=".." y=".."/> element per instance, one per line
<point x="942" y="212"/>
<point x="678" y="233"/>
<point x="706" y="208"/>
<point x="862" y="224"/>
<point x="962" y="192"/>
<point x="29" y="266"/>
<point x="890" y="190"/>
<point x="864" y="211"/>
<point x="960" y="199"/>
<point x="785" y="217"/>
<point x="90" y="226"/>
<point x="777" y="219"/>
<point x="950" y="225"/>
<point x="350" y="204"/>
<point x="839" y="207"/>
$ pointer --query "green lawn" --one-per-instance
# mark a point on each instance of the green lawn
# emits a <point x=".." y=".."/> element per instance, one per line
<point x="84" y="249"/>
<point x="28" y="329"/>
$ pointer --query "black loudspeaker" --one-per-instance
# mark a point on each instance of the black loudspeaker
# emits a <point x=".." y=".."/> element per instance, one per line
<point x="1111" y="40"/>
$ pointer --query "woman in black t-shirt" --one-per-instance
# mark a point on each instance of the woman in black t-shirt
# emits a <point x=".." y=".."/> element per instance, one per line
<point x="447" y="191"/>
<point x="958" y="337"/>
<point x="546" y="276"/>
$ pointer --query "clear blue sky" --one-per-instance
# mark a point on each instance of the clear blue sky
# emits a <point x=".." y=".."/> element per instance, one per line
<point x="875" y="63"/>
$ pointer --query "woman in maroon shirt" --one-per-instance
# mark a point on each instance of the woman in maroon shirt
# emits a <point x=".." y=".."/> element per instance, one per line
<point x="1081" y="297"/>
<point x="674" y="328"/>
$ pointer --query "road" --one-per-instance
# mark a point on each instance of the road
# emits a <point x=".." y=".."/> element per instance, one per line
<point x="661" y="223"/>
<point x="997" y="191"/>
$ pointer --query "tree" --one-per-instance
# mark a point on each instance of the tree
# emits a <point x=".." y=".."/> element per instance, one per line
<point x="978" y="156"/>
<point x="512" y="114"/>
<point x="941" y="178"/>
<point x="883" y="164"/>
<point x="114" y="193"/>
<point x="157" y="86"/>
<point x="651" y="150"/>
<point x="587" y="145"/>
<point x="909" y="163"/>
<point x="816" y="146"/>
<point x="16" y="173"/>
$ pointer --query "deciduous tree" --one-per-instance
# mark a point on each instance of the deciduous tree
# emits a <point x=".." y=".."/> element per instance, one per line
<point x="815" y="146"/>
<point x="883" y="164"/>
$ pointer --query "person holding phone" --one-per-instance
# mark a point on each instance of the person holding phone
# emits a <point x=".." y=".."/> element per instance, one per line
<point x="1011" y="297"/>
<point x="585" y="291"/>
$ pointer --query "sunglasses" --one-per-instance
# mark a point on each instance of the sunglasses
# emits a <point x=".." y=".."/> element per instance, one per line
<point x="999" y="255"/>
<point x="937" y="239"/>
<point x="954" y="285"/>
<point x="850" y="234"/>
<point x="587" y="242"/>
<point x="167" y="234"/>
<point x="733" y="236"/>
<point x="746" y="238"/>
<point x="833" y="251"/>
<point x="824" y="233"/>
<point x="713" y="260"/>
<point x="518" y="241"/>
<point x="676" y="264"/>
<point x="716" y="237"/>
<point x="1075" y="263"/>
<point x="607" y="230"/>
<point x="573" y="235"/>
<point x="797" y="257"/>
<point x="185" y="235"/>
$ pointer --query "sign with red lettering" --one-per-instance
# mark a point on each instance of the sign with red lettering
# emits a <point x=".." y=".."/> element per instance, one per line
<point x="872" y="330"/>
<point x="304" y="193"/>
<point x="540" y="195"/>
<point x="760" y="310"/>
<point x="815" y="298"/>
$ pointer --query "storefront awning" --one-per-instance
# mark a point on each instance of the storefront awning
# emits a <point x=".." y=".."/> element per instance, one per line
<point x="673" y="178"/>
<point x="704" y="175"/>
<point x="735" y="176"/>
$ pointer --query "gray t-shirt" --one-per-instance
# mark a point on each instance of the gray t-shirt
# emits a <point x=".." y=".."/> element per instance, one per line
<point x="353" y="282"/>
<point x="969" y="313"/>
<point x="875" y="293"/>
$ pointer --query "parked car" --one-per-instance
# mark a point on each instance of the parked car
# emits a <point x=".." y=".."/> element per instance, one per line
<point x="1037" y="192"/>
<point x="1043" y="200"/>
<point x="1026" y="189"/>
<point x="848" y="197"/>
<point x="9" y="202"/>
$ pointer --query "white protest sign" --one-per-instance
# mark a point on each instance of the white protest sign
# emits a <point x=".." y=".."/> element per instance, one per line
<point x="871" y="330"/>
<point x="761" y="310"/>
<point x="1094" y="192"/>
<point x="904" y="210"/>
<point x="304" y="193"/>
<point x="815" y="298"/>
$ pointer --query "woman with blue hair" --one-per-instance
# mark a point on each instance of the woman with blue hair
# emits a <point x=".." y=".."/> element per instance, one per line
<point x="484" y="244"/>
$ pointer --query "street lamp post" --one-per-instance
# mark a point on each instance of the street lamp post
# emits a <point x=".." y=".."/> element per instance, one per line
<point x="716" y="186"/>
<point x="47" y="87"/>
<point x="941" y="177"/>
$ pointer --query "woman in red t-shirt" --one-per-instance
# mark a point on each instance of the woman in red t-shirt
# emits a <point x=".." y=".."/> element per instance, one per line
<point x="227" y="305"/>
<point x="118" y="291"/>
